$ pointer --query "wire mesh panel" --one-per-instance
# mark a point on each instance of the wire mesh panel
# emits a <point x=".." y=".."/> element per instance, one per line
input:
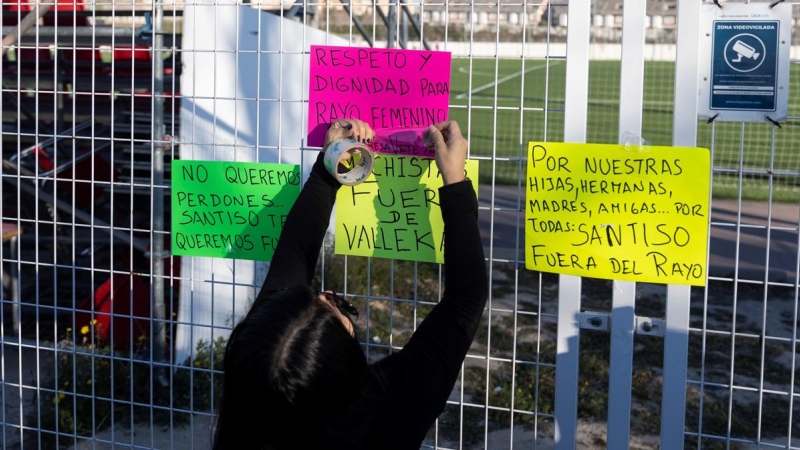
<point x="88" y="107"/>
<point x="108" y="339"/>
<point x="743" y="338"/>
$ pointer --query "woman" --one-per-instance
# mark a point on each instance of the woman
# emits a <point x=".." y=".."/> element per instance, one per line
<point x="295" y="374"/>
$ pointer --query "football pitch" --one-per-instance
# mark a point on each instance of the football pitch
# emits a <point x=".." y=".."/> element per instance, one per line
<point x="503" y="104"/>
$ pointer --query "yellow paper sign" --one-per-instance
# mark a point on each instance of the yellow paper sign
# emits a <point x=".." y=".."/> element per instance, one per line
<point x="608" y="211"/>
<point x="395" y="213"/>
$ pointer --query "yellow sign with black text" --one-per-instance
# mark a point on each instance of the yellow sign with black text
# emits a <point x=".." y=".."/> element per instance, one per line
<point x="395" y="213"/>
<point x="616" y="212"/>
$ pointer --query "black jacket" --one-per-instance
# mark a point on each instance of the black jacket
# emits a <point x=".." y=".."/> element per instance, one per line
<point x="406" y="391"/>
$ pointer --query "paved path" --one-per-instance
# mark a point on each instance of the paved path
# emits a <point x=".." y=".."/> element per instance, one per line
<point x="752" y="235"/>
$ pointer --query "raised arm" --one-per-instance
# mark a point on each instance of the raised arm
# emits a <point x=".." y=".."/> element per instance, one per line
<point x="296" y="254"/>
<point x="421" y="376"/>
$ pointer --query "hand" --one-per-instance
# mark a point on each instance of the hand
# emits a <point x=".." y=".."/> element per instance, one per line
<point x="353" y="128"/>
<point x="451" y="150"/>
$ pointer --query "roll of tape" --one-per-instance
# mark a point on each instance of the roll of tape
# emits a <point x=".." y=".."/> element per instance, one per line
<point x="335" y="155"/>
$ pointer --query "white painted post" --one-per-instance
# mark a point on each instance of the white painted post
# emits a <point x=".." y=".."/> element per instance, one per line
<point x="624" y="297"/>
<point x="569" y="290"/>
<point x="676" y="341"/>
<point x="214" y="292"/>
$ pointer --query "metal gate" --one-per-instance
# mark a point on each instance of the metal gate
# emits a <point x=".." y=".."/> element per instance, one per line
<point x="108" y="340"/>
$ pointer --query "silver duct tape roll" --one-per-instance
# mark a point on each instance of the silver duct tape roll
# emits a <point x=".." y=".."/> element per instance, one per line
<point x="337" y="153"/>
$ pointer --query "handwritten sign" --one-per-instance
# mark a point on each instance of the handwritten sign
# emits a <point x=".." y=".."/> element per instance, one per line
<point x="228" y="209"/>
<point x="604" y="211"/>
<point x="391" y="90"/>
<point x="395" y="213"/>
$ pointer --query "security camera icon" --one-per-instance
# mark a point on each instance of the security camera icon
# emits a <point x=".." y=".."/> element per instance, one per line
<point x="744" y="51"/>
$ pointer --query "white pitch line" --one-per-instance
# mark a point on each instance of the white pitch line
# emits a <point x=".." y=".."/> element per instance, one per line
<point x="475" y="72"/>
<point x="464" y="95"/>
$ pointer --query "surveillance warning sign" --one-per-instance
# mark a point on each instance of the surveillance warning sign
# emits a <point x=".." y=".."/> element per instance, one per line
<point x="748" y="63"/>
<point x="744" y="68"/>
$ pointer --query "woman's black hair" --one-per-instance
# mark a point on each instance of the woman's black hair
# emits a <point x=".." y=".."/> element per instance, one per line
<point x="289" y="366"/>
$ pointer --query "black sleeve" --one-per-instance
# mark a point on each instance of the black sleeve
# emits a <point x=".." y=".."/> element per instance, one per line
<point x="421" y="376"/>
<point x="296" y="254"/>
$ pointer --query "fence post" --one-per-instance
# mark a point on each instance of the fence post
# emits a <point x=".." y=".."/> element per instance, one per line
<point x="576" y="99"/>
<point x="391" y="31"/>
<point x="676" y="341"/>
<point x="624" y="297"/>
<point x="158" y="254"/>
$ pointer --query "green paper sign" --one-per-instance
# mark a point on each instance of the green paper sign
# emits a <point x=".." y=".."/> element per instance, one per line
<point x="395" y="213"/>
<point x="225" y="209"/>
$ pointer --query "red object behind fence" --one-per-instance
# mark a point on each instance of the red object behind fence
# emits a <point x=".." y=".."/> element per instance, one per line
<point x="133" y="61"/>
<point x="14" y="12"/>
<point x="127" y="307"/>
<point x="66" y="6"/>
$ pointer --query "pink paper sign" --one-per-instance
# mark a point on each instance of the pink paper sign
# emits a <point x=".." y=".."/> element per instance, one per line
<point x="391" y="90"/>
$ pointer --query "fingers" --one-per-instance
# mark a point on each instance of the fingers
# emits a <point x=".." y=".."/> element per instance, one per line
<point x="341" y="124"/>
<point x="362" y="132"/>
<point x="449" y="130"/>
<point x="437" y="127"/>
<point x="354" y="128"/>
<point x="436" y="138"/>
<point x="451" y="150"/>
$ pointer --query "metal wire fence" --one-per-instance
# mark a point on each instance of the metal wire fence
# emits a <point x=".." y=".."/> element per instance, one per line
<point x="107" y="339"/>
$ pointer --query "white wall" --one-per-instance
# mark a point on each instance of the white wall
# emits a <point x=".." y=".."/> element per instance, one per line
<point x="243" y="85"/>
